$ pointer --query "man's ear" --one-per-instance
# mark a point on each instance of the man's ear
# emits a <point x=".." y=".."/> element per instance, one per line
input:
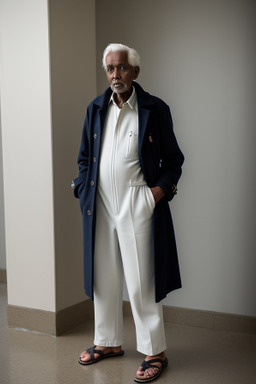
<point x="136" y="71"/>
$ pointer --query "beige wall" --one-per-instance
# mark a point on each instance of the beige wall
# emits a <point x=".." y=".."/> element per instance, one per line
<point x="199" y="56"/>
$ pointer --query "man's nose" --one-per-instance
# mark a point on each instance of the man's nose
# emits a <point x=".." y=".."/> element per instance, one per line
<point x="116" y="73"/>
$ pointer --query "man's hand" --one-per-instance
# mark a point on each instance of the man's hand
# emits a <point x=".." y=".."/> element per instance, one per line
<point x="158" y="193"/>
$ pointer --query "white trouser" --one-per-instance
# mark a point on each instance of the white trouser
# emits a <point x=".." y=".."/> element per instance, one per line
<point x="124" y="248"/>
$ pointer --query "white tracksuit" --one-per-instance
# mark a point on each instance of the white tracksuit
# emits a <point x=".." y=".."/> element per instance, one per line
<point x="124" y="239"/>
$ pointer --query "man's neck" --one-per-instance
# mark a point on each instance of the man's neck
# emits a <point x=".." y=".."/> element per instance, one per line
<point x="121" y="98"/>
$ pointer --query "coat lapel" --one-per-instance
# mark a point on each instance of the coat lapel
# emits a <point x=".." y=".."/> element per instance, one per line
<point x="102" y="108"/>
<point x="145" y="106"/>
<point x="143" y="121"/>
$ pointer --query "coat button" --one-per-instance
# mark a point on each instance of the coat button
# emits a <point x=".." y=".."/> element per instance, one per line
<point x="95" y="136"/>
<point x="92" y="183"/>
<point x="89" y="213"/>
<point x="94" y="159"/>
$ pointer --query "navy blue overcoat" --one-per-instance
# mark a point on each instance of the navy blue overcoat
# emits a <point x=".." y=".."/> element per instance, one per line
<point x="160" y="159"/>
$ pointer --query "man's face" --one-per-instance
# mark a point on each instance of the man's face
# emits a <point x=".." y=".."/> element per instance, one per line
<point x="120" y="73"/>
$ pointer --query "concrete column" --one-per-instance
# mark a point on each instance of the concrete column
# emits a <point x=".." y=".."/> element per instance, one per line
<point x="47" y="79"/>
<point x="2" y="230"/>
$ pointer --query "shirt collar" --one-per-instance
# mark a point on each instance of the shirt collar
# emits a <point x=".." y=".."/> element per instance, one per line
<point x="132" y="101"/>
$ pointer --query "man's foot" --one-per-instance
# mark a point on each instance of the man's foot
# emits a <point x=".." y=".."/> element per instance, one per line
<point x="96" y="353"/>
<point x="151" y="368"/>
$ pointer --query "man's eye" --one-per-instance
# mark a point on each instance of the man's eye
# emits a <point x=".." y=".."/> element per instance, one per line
<point x="123" y="68"/>
<point x="110" y="69"/>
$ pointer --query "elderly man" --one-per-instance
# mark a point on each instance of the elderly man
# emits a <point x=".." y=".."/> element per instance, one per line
<point x="129" y="166"/>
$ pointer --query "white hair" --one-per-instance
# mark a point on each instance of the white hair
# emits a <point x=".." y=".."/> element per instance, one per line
<point x="133" y="56"/>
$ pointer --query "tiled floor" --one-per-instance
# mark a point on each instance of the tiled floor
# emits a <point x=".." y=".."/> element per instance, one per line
<point x="195" y="356"/>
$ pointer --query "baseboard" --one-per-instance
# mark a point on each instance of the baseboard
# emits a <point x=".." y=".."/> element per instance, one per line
<point x="3" y="276"/>
<point x="67" y="319"/>
<point x="205" y="319"/>
<point x="72" y="317"/>
<point x="49" y="322"/>
<point x="31" y="319"/>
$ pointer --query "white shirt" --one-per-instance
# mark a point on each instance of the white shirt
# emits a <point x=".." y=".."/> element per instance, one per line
<point x="119" y="161"/>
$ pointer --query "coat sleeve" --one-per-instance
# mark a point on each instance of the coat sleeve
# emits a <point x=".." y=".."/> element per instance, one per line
<point x="83" y="157"/>
<point x="171" y="156"/>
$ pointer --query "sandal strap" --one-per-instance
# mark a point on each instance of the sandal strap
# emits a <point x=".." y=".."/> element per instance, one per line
<point x="148" y="364"/>
<point x="92" y="350"/>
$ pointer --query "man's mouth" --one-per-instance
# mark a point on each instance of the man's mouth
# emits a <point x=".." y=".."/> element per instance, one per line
<point x="117" y="85"/>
